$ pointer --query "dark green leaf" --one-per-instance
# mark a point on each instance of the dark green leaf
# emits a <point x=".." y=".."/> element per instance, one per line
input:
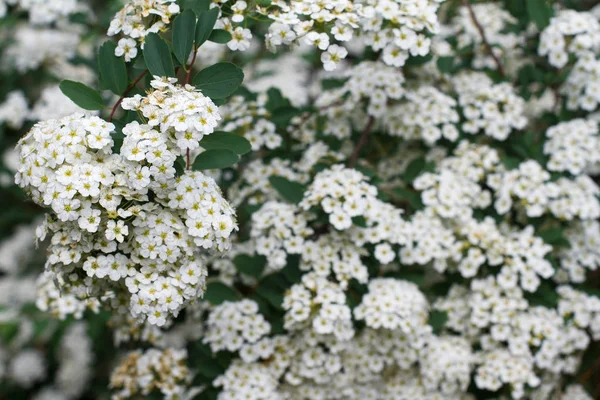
<point x="412" y="198"/>
<point x="217" y="293"/>
<point x="184" y="28"/>
<point x="215" y="159"/>
<point x="445" y="64"/>
<point x="158" y="56"/>
<point x="220" y="36"/>
<point x="113" y="73"/>
<point x="414" y="169"/>
<point x="359" y="221"/>
<point x="225" y="140"/>
<point x="250" y="265"/>
<point x="197" y="6"/>
<point x="291" y="191"/>
<point x="540" y="12"/>
<point x="206" y="24"/>
<point x="551" y="235"/>
<point x="220" y="80"/>
<point x="263" y="3"/>
<point x="437" y="320"/>
<point x="82" y="95"/>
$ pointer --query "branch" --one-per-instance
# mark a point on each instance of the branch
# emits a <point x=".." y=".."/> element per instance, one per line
<point x="189" y="73"/>
<point x="118" y="103"/>
<point x="364" y="138"/>
<point x="484" y="38"/>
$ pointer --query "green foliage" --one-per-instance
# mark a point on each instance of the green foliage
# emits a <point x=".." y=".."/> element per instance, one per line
<point x="540" y="12"/>
<point x="215" y="159"/>
<point x="220" y="36"/>
<point x="220" y="80"/>
<point x="158" y="56"/>
<point x="250" y="265"/>
<point x="112" y="69"/>
<point x="82" y="95"/>
<point x="290" y="191"/>
<point x="218" y="292"/>
<point x="205" y="26"/>
<point x="184" y="27"/>
<point x="226" y="140"/>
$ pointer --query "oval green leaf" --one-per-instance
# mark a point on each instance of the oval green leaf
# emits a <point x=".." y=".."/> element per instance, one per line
<point x="82" y="95"/>
<point x="220" y="36"/>
<point x="291" y="191"/>
<point x="113" y="72"/>
<point x="158" y="56"/>
<point x="220" y="80"/>
<point x="184" y="28"/>
<point x="226" y="140"/>
<point x="206" y="24"/>
<point x="215" y="159"/>
<point x="217" y="293"/>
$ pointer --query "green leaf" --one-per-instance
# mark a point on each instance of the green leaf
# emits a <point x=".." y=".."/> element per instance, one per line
<point x="220" y="80"/>
<point x="250" y="265"/>
<point x="359" y="221"/>
<point x="215" y="159"/>
<point x="291" y="191"/>
<point x="205" y="26"/>
<point x="272" y="289"/>
<point x="412" y="198"/>
<point x="414" y="169"/>
<point x="217" y="293"/>
<point x="158" y="56"/>
<point x="112" y="69"/>
<point x="184" y="28"/>
<point x="263" y="3"/>
<point x="540" y="12"/>
<point x="551" y="235"/>
<point x="220" y="36"/>
<point x="82" y="95"/>
<point x="197" y="6"/>
<point x="445" y="64"/>
<point x="226" y="140"/>
<point x="437" y="320"/>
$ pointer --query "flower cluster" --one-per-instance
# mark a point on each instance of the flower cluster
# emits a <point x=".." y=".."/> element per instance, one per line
<point x="573" y="146"/>
<point x="237" y="326"/>
<point x="136" y="20"/>
<point x="492" y="108"/>
<point x="139" y="373"/>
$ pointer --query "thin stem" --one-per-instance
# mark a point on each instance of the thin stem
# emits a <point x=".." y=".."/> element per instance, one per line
<point x="188" y="164"/>
<point x="129" y="88"/>
<point x="487" y="45"/>
<point x="362" y="141"/>
<point x="189" y="72"/>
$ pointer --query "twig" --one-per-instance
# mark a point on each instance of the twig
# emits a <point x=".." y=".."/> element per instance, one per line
<point x="484" y="38"/>
<point x="362" y="141"/>
<point x="189" y="73"/>
<point x="118" y="103"/>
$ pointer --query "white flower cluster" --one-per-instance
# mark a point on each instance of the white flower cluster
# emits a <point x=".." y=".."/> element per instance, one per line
<point x="500" y="367"/>
<point x="583" y="253"/>
<point x="242" y="381"/>
<point x="319" y="304"/>
<point x="14" y="110"/>
<point x="396" y="28"/>
<point x="343" y="194"/>
<point x="279" y="229"/>
<point x="492" y="108"/>
<point x="237" y="326"/>
<point x="394" y="304"/>
<point x="125" y="218"/>
<point x="446" y="364"/>
<point x="140" y="373"/>
<point x="183" y="114"/>
<point x="531" y="185"/>
<point x="494" y="20"/>
<point x="573" y="146"/>
<point x="569" y="32"/>
<point x="250" y="119"/>
<point x="582" y="309"/>
<point x="428" y="115"/>
<point x="43" y="12"/>
<point x="456" y="187"/>
<point x="31" y="47"/>
<point x="136" y="20"/>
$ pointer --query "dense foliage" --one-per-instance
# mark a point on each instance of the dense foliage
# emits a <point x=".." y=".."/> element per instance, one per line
<point x="309" y="199"/>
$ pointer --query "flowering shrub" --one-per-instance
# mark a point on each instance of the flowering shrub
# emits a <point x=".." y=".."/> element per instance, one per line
<point x="272" y="199"/>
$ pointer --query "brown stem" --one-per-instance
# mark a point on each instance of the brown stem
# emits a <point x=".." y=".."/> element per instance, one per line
<point x="188" y="165"/>
<point x="189" y="73"/>
<point x="129" y="88"/>
<point x="362" y="141"/>
<point x="484" y="38"/>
